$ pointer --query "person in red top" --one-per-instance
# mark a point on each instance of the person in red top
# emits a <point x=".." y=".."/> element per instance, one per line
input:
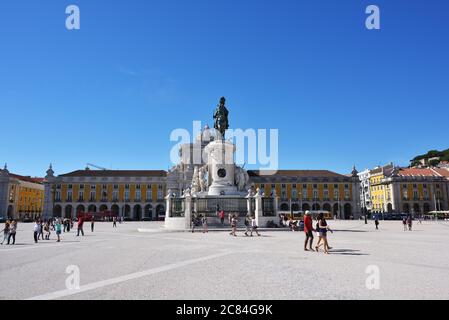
<point x="308" y="228"/>
<point x="222" y="216"/>
<point x="80" y="226"/>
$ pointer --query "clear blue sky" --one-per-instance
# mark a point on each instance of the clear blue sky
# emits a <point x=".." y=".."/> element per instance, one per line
<point x="112" y="92"/>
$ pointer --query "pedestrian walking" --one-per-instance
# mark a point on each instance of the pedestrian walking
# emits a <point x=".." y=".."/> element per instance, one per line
<point x="376" y="222"/>
<point x="69" y="224"/>
<point x="404" y="223"/>
<point x="41" y="230"/>
<point x="222" y="217"/>
<point x="114" y="222"/>
<point x="12" y="232"/>
<point x="205" y="224"/>
<point x="58" y="229"/>
<point x="247" y="225"/>
<point x="6" y="231"/>
<point x="36" y="231"/>
<point x="324" y="228"/>
<point x="308" y="230"/>
<point x="194" y="223"/>
<point x="92" y="225"/>
<point x="254" y="226"/>
<point x="47" y="231"/>
<point x="80" y="226"/>
<point x="409" y="223"/>
<point x="233" y="225"/>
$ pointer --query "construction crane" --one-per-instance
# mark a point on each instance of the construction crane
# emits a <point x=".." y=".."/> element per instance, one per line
<point x="95" y="166"/>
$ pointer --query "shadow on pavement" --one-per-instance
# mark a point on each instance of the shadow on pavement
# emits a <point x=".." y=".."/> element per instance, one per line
<point x="343" y="230"/>
<point x="347" y="252"/>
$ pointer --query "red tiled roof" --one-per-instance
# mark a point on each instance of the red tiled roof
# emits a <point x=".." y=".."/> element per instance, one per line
<point x="116" y="173"/>
<point x="27" y="178"/>
<point x="416" y="172"/>
<point x="442" y="172"/>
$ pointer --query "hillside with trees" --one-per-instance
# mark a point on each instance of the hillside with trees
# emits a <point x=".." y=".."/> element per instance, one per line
<point x="442" y="155"/>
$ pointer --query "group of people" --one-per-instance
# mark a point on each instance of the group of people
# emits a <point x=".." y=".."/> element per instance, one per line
<point x="9" y="232"/>
<point x="202" y="220"/>
<point x="250" y="225"/>
<point x="42" y="229"/>
<point x="321" y="229"/>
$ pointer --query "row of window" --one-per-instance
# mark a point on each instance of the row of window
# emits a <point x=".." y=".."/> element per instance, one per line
<point x="104" y="186"/>
<point x="115" y="195"/>
<point x="315" y="194"/>
<point x="304" y="186"/>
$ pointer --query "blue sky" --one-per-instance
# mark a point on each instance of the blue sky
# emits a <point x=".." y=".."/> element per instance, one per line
<point x="112" y="92"/>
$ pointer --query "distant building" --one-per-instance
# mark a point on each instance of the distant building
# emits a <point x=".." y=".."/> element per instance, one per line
<point x="132" y="194"/>
<point x="365" y="190"/>
<point x="409" y="190"/>
<point x="20" y="196"/>
<point x="317" y="190"/>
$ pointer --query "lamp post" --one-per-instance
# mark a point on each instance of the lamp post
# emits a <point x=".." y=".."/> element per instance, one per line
<point x="53" y="196"/>
<point x="364" y="205"/>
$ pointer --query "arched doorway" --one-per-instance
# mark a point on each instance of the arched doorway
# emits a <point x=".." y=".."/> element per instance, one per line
<point x="295" y="207"/>
<point x="426" y="208"/>
<point x="103" y="208"/>
<point x="137" y="212"/>
<point x="335" y="209"/>
<point x="390" y="208"/>
<point x="68" y="211"/>
<point x="348" y="211"/>
<point x="148" y="212"/>
<point x="284" y="207"/>
<point x="115" y="210"/>
<point x="57" y="211"/>
<point x="305" y="207"/>
<point x="10" y="211"/>
<point x="80" y="209"/>
<point x="316" y="207"/>
<point x="327" y="207"/>
<point x="416" y="208"/>
<point x="160" y="211"/>
<point x="92" y="208"/>
<point x="127" y="213"/>
<point x="406" y="208"/>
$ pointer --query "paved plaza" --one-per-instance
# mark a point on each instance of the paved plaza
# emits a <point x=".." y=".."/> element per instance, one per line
<point x="124" y="263"/>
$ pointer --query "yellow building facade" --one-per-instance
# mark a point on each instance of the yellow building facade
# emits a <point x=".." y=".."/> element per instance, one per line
<point x="408" y="190"/>
<point x="131" y="194"/>
<point x="20" y="196"/>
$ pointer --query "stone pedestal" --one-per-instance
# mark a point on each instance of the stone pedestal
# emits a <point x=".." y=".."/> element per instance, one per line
<point x="220" y="155"/>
